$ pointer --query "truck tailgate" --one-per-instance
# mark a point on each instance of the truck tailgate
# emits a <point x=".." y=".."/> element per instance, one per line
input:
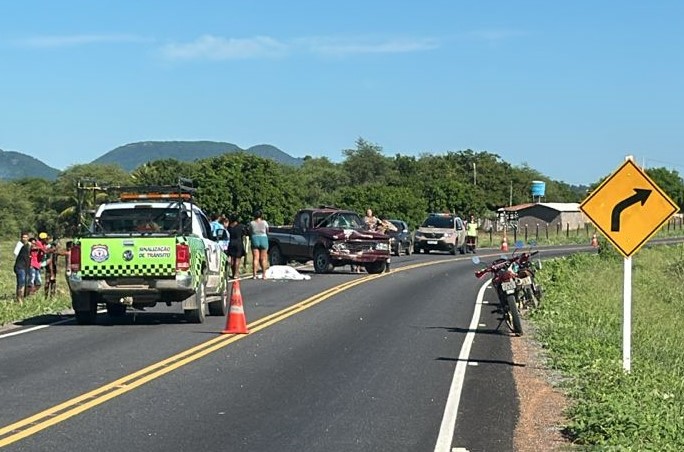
<point x="103" y="257"/>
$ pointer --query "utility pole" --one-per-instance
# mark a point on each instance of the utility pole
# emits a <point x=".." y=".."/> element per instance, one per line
<point x="474" y="174"/>
<point x="510" y="195"/>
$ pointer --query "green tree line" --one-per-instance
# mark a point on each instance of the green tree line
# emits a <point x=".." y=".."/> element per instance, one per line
<point x="403" y="187"/>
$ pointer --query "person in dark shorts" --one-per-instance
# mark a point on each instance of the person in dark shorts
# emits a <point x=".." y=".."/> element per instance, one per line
<point x="236" y="248"/>
<point x="22" y="266"/>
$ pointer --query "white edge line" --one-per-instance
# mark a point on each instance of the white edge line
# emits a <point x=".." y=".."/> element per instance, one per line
<point x="39" y="327"/>
<point x="446" y="430"/>
<point x="35" y="328"/>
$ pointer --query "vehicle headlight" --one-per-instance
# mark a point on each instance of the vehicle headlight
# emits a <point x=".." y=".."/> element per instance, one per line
<point x="382" y="246"/>
<point x="448" y="234"/>
<point x="418" y="234"/>
<point x="340" y="246"/>
<point x="392" y="239"/>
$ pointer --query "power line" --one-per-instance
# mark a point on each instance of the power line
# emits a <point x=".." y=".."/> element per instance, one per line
<point x="678" y="165"/>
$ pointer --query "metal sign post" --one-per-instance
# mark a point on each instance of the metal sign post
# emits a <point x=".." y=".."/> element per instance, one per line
<point x="627" y="317"/>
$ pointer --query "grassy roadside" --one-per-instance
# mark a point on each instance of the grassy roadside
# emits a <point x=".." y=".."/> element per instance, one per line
<point x="35" y="304"/>
<point x="580" y="326"/>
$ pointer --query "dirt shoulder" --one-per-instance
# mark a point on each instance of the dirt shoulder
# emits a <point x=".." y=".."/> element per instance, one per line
<point x="541" y="403"/>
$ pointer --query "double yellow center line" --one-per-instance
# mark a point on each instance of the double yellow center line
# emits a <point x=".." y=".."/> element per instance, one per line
<point x="59" y="413"/>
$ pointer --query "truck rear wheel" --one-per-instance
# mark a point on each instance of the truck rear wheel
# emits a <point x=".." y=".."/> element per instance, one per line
<point x="321" y="261"/>
<point x="85" y="307"/>
<point x="116" y="309"/>
<point x="197" y="315"/>
<point x="220" y="307"/>
<point x="275" y="256"/>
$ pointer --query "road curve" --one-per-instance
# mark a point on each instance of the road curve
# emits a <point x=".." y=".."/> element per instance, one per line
<point x="340" y="362"/>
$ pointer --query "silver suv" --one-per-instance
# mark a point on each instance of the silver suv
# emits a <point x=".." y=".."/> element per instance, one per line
<point x="440" y="231"/>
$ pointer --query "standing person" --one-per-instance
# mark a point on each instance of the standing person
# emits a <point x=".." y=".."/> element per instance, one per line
<point x="37" y="253"/>
<point x="471" y="234"/>
<point x="236" y="247"/>
<point x="22" y="264"/>
<point x="216" y="225"/>
<point x="52" y="253"/>
<point x="370" y="220"/>
<point x="258" y="228"/>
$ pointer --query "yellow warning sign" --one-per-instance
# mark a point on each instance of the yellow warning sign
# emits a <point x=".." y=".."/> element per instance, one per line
<point x="628" y="208"/>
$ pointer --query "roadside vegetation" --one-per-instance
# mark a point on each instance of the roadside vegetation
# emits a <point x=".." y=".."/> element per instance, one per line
<point x="401" y="187"/>
<point x="580" y="326"/>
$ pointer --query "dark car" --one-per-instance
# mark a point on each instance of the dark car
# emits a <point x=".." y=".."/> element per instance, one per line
<point x="401" y="239"/>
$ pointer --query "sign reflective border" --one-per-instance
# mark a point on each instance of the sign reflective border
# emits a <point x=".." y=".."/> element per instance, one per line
<point x="628" y="208"/>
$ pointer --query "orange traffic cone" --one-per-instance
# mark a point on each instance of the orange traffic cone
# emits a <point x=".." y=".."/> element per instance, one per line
<point x="594" y="241"/>
<point x="236" y="322"/>
<point x="504" y="244"/>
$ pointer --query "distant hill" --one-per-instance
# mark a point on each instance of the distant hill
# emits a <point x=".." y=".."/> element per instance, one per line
<point x="15" y="165"/>
<point x="132" y="155"/>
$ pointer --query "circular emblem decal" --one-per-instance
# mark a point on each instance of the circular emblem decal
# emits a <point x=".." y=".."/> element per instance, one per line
<point x="99" y="253"/>
<point x="128" y="255"/>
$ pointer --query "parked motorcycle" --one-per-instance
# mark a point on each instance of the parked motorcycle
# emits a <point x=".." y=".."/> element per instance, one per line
<point x="530" y="293"/>
<point x="504" y="273"/>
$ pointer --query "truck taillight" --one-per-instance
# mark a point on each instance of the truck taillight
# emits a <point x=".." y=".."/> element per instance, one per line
<point x="75" y="258"/>
<point x="182" y="257"/>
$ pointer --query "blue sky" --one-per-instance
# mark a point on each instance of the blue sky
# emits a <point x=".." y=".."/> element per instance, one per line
<point x="569" y="88"/>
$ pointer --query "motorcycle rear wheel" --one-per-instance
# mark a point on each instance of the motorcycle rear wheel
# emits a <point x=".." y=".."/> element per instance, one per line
<point x="531" y="301"/>
<point x="512" y="315"/>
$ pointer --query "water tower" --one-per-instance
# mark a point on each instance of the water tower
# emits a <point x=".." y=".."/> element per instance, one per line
<point x="538" y="190"/>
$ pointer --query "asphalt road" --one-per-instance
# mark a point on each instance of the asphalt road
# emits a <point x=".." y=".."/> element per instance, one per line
<point x="342" y="362"/>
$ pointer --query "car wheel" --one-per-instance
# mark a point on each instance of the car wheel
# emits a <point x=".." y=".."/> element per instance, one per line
<point x="197" y="315"/>
<point x="275" y="256"/>
<point x="220" y="307"/>
<point x="85" y="307"/>
<point x="321" y="260"/>
<point x="375" y="267"/>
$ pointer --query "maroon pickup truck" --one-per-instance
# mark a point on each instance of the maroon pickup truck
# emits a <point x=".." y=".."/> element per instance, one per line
<point x="331" y="238"/>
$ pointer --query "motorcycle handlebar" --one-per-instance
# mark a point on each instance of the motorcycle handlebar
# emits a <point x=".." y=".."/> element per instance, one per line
<point x="496" y="266"/>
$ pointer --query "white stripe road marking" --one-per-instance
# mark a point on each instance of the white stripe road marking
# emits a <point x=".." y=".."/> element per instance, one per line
<point x="446" y="430"/>
<point x="40" y="327"/>
<point x="35" y="328"/>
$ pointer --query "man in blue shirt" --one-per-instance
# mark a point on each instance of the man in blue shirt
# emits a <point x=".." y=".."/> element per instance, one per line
<point x="216" y="225"/>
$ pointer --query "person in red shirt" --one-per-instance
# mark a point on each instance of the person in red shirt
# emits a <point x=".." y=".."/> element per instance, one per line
<point x="38" y="249"/>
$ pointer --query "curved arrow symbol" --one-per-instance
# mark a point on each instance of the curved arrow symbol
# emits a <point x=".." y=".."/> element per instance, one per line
<point x="640" y="195"/>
